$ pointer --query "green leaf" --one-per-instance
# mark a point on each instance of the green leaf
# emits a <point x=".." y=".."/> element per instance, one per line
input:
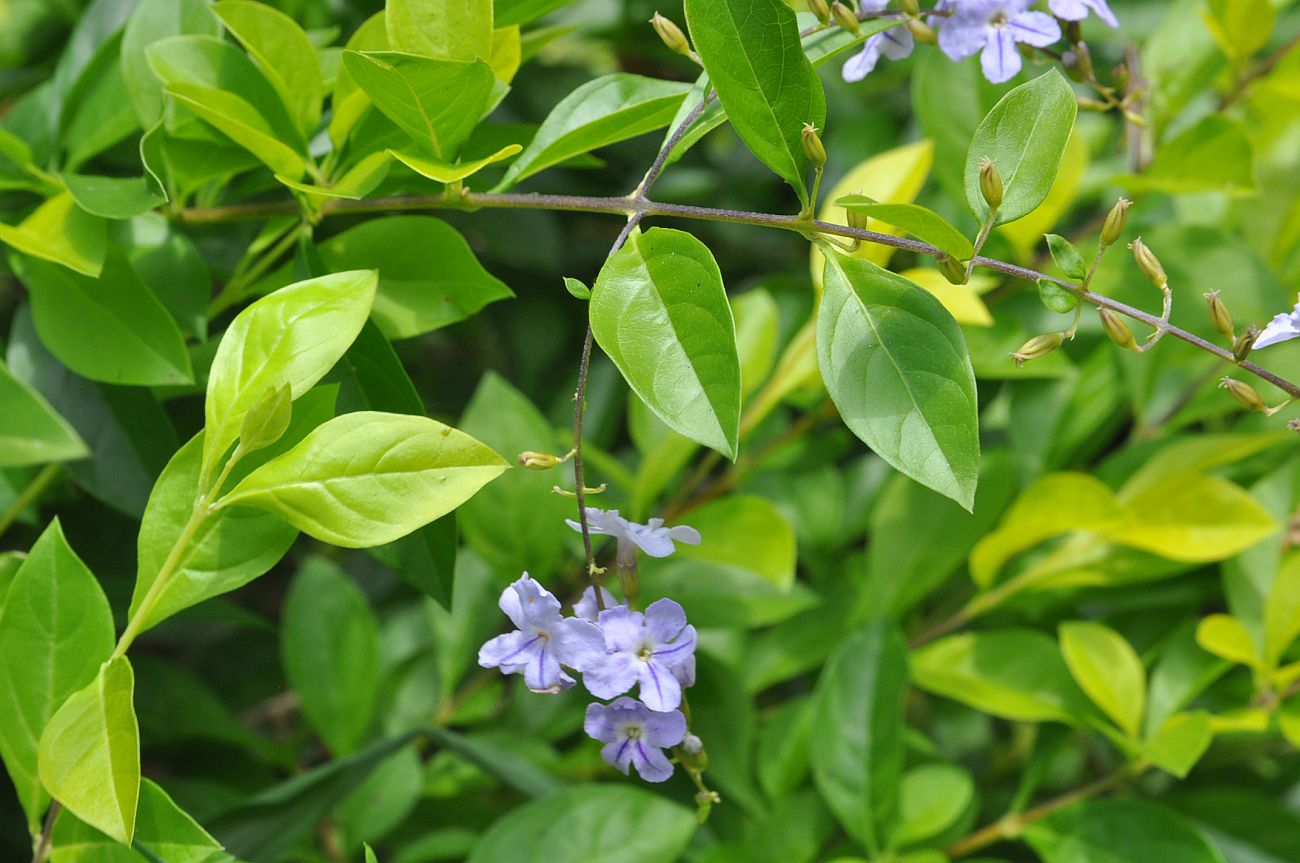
<point x="758" y="336"/>
<point x="857" y="752"/>
<point x="89" y="754"/>
<point x="895" y="364"/>
<point x="446" y="31"/>
<point x="284" y="53"/>
<point x="577" y="289"/>
<point x="428" y="276"/>
<point x="1282" y="610"/>
<point x="437" y="102"/>
<point x="660" y="312"/>
<point x="1226" y="637"/>
<point x="1013" y="673"/>
<point x="238" y="121"/>
<point x="1122" y="831"/>
<point x="720" y="594"/>
<point x="611" y="823"/>
<point x="1067" y="257"/>
<point x="601" y="112"/>
<point x="1194" y="518"/>
<point x="925" y="225"/>
<point x="515" y="771"/>
<point x="1180" y="742"/>
<point x="112" y="197"/>
<point x="931" y="798"/>
<point x="1107" y="668"/>
<point x="61" y="232"/>
<point x="97" y="113"/>
<point x="745" y="531"/>
<point x="111" y="329"/>
<point x="1214" y="155"/>
<point x="152" y="21"/>
<point x="32" y="432"/>
<point x="293" y="336"/>
<point x="229" y="548"/>
<point x="755" y="61"/>
<point x="56" y="619"/>
<point x="330" y="645"/>
<point x="1056" y="298"/>
<point x="511" y="12"/>
<point x="1024" y="136"/>
<point x="452" y="172"/>
<point x="368" y="478"/>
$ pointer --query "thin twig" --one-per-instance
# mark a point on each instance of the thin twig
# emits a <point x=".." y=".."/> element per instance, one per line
<point x="42" y="849"/>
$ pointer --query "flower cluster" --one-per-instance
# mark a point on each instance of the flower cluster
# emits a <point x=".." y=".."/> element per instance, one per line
<point x="991" y="28"/>
<point x="615" y="648"/>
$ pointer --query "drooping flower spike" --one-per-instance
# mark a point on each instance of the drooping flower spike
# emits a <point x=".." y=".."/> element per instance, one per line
<point x="543" y="641"/>
<point x="993" y="28"/>
<point x="653" y="538"/>
<point x="655" y="650"/>
<point x="1282" y="328"/>
<point x="636" y="736"/>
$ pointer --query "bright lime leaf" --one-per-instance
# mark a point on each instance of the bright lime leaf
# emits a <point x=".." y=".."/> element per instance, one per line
<point x="330" y="643"/>
<point x="1282" y="610"/>
<point x="89" y="754"/>
<point x="660" y="312"/>
<point x="111" y="329"/>
<point x="895" y="363"/>
<point x="460" y="30"/>
<point x="238" y="121"/>
<point x="284" y="53"/>
<point x="452" y="172"/>
<point x="368" y="478"/>
<point x="1108" y="669"/>
<point x="1194" y="518"/>
<point x="293" y="336"/>
<point x="755" y="61"/>
<point x="932" y="797"/>
<point x="758" y="336"/>
<point x="61" y="232"/>
<point x="1226" y="637"/>
<point x="745" y="531"/>
<point x="1215" y="155"/>
<point x="57" y="620"/>
<point x="1119" y="831"/>
<point x="1024" y="136"/>
<point x="857" y="750"/>
<point x="601" y="112"/>
<point x="925" y="225"/>
<point x="1180" y="743"/>
<point x="32" y="432"/>
<point x="1013" y="673"/>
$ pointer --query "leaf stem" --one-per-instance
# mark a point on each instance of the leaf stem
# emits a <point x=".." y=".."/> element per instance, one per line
<point x="42" y="850"/>
<point x="28" y="496"/>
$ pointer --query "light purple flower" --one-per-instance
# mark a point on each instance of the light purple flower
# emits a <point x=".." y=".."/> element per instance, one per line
<point x="586" y="607"/>
<point x="1282" y="328"/>
<point x="894" y="43"/>
<point x="543" y="641"/>
<point x="655" y="649"/>
<point x="653" y="538"/>
<point x="1077" y="10"/>
<point x="635" y="735"/>
<point x="994" y="27"/>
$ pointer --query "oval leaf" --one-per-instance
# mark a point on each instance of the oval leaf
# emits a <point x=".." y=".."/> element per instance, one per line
<point x="895" y="363"/>
<point x="368" y="478"/>
<point x="1107" y="668"/>
<point x="924" y="224"/>
<point x="660" y="312"/>
<point x="62" y="232"/>
<point x="32" y="432"/>
<point x="1122" y="831"/>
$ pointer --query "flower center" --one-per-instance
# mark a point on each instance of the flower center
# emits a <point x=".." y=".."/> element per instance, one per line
<point x="543" y="634"/>
<point x="633" y="732"/>
<point x="999" y="19"/>
<point x="645" y="653"/>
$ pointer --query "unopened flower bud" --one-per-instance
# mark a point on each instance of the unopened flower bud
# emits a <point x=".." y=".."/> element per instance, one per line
<point x="990" y="183"/>
<point x="922" y="32"/>
<point x="671" y="34"/>
<point x="1078" y="62"/>
<point x="856" y="218"/>
<point x="952" y="269"/>
<point x="538" y="460"/>
<point x="1242" y="347"/>
<point x="909" y="7"/>
<point x="1220" y="316"/>
<point x="821" y="9"/>
<point x="845" y="18"/>
<point x="1244" y="393"/>
<point x="692" y="745"/>
<point x="1149" y="264"/>
<point x="1118" y="331"/>
<point x="1038" y="346"/>
<point x="1113" y="228"/>
<point x="812" y="146"/>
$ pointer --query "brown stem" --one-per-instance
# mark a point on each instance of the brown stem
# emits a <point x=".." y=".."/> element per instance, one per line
<point x="42" y="850"/>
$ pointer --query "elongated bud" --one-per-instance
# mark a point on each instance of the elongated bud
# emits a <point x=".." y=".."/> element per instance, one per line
<point x="671" y="34"/>
<point x="921" y="31"/>
<point x="1149" y="264"/>
<point x="538" y="460"/>
<point x="812" y="146"/>
<point x="1244" y="393"/>
<point x="952" y="270"/>
<point x="1245" y="342"/>
<point x="821" y="9"/>
<point x="1118" y="331"/>
<point x="267" y="420"/>
<point x="990" y="183"/>
<point x="1038" y="346"/>
<point x="856" y="218"/>
<point x="845" y="18"/>
<point x="1113" y="228"/>
<point x="1220" y="316"/>
<point x="909" y="7"/>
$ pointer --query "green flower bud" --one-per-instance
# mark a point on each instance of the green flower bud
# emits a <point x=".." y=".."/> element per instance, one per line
<point x="952" y="269"/>
<point x="1118" y="331"/>
<point x="909" y="7"/>
<point x="1038" y="346"/>
<point x="1244" y="393"/>
<point x="845" y="18"/>
<point x="538" y="460"/>
<point x="1245" y="342"/>
<point x="671" y="34"/>
<point x="856" y="218"/>
<point x="1149" y="264"/>
<point x="990" y="183"/>
<point x="821" y="9"/>
<point x="812" y="146"/>
<point x="922" y="32"/>
<point x="1220" y="316"/>
<point x="1115" y="219"/>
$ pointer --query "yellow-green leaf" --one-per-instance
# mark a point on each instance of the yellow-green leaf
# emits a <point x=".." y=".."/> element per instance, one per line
<point x="1108" y="669"/>
<point x="1225" y="636"/>
<point x="1194" y="518"/>
<point x="61" y="232"/>
<point x="452" y="172"/>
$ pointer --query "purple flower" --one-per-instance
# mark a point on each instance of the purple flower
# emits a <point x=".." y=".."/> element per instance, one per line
<point x="655" y="650"/>
<point x="1282" y="328"/>
<point x="586" y="608"/>
<point x="994" y="27"/>
<point x="1077" y="10"/>
<point x="894" y="43"/>
<point x="634" y="735"/>
<point x="653" y="538"/>
<point x="544" y="639"/>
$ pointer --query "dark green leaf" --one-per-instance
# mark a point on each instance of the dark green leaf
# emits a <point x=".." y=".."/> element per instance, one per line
<point x="1123" y="831"/>
<point x="1055" y="297"/>
<point x="112" y="197"/>
<point x="31" y="432"/>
